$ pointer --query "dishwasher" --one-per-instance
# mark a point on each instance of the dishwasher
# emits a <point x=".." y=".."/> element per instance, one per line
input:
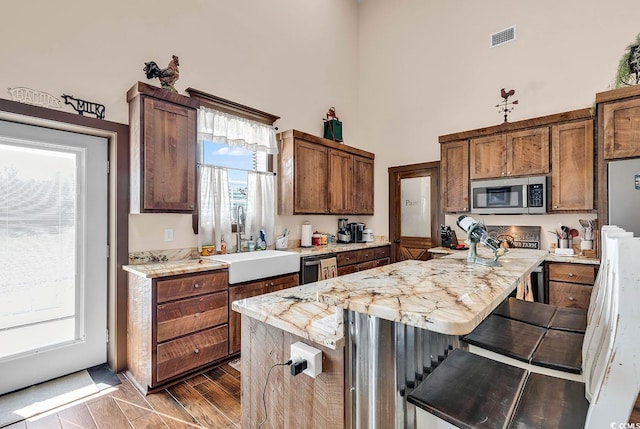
<point x="309" y="266"/>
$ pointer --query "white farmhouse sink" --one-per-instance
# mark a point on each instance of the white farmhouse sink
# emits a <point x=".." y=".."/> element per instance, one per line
<point x="246" y="266"/>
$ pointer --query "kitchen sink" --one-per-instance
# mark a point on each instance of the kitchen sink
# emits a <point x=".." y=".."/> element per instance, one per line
<point x="247" y="266"/>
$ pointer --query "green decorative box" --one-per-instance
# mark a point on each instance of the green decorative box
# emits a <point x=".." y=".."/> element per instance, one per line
<point x="333" y="130"/>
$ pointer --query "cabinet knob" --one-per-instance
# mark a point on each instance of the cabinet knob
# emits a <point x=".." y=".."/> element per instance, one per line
<point x="197" y="285"/>
<point x="366" y="255"/>
<point x="555" y="207"/>
<point x="571" y="298"/>
<point x="571" y="274"/>
<point x="196" y="315"/>
<point x="271" y="284"/>
<point x="196" y="350"/>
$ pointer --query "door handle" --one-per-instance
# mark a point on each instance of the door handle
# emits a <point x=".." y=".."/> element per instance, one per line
<point x="397" y="241"/>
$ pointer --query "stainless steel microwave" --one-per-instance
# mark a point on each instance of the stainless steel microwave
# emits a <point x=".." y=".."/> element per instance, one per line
<point x="521" y="195"/>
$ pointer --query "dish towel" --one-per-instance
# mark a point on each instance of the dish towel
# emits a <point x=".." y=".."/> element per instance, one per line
<point x="327" y="269"/>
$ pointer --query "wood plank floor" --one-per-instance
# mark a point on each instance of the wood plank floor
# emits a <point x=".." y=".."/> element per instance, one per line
<point x="208" y="400"/>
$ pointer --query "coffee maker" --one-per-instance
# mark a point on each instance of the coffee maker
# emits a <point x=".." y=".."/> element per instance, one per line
<point x="357" y="232"/>
<point x="344" y="235"/>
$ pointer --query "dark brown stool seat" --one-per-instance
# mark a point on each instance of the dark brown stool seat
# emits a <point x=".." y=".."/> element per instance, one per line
<point x="471" y="391"/>
<point x="569" y="319"/>
<point x="544" y="315"/>
<point x="560" y="350"/>
<point x="535" y="313"/>
<point x="507" y="337"/>
<point x="549" y="348"/>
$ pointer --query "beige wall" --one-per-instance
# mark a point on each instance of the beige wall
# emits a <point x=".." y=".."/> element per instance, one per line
<point x="291" y="58"/>
<point x="400" y="73"/>
<point x="426" y="69"/>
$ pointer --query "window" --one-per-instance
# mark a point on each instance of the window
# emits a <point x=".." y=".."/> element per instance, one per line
<point x="239" y="161"/>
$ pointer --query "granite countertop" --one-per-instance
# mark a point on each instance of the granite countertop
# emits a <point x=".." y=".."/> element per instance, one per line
<point x="551" y="257"/>
<point x="297" y="310"/>
<point x="336" y="248"/>
<point x="173" y="268"/>
<point x="444" y="295"/>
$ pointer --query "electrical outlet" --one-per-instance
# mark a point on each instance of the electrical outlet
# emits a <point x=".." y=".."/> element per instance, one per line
<point x="313" y="356"/>
<point x="168" y="234"/>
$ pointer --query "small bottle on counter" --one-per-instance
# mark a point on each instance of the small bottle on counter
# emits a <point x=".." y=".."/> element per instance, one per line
<point x="251" y="244"/>
<point x="223" y="246"/>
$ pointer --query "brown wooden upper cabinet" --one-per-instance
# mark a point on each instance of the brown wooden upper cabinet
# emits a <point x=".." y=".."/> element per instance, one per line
<point x="561" y="144"/>
<point x="320" y="176"/>
<point x="517" y="153"/>
<point x="454" y="172"/>
<point x="572" y="185"/>
<point x="622" y="129"/>
<point x="163" y="150"/>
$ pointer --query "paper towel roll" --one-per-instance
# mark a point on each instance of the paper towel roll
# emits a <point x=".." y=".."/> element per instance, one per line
<point x="305" y="238"/>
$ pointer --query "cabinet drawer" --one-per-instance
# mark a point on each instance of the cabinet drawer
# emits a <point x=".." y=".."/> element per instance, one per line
<point x="381" y="252"/>
<point x="184" y="354"/>
<point x="572" y="273"/>
<point x="365" y="255"/>
<point x="346" y="258"/>
<point x="279" y="283"/>
<point x="343" y="271"/>
<point x="189" y="315"/>
<point x="569" y="295"/>
<point x="381" y="262"/>
<point x="367" y="265"/>
<point x="191" y="285"/>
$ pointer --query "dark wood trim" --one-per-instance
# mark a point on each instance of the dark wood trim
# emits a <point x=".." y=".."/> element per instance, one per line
<point x="118" y="137"/>
<point x="573" y="115"/>
<point x="218" y="103"/>
<point x="324" y="142"/>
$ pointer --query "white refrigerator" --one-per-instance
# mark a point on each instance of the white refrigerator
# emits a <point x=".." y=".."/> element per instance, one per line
<point x="624" y="194"/>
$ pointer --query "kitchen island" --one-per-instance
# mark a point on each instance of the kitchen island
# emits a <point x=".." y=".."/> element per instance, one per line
<point x="398" y="321"/>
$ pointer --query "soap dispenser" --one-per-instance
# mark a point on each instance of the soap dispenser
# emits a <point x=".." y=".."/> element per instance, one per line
<point x="251" y="244"/>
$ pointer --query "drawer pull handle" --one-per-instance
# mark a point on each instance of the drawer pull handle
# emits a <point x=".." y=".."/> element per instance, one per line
<point x="196" y="351"/>
<point x="571" y="274"/>
<point x="571" y="298"/>
<point x="196" y="285"/>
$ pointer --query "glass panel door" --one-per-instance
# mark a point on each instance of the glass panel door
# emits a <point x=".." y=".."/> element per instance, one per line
<point x="53" y="218"/>
<point x="415" y="208"/>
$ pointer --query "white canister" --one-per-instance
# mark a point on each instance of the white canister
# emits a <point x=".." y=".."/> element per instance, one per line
<point x="305" y="237"/>
<point x="367" y="235"/>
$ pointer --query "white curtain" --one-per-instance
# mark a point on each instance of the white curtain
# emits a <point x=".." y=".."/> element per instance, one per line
<point x="215" y="207"/>
<point x="261" y="206"/>
<point x="236" y="131"/>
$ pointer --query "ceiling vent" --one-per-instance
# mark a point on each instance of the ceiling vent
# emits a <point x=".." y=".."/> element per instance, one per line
<point x="502" y="37"/>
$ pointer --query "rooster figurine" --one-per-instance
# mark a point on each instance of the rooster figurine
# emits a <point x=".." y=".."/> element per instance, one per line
<point x="168" y="76"/>
<point x="504" y="106"/>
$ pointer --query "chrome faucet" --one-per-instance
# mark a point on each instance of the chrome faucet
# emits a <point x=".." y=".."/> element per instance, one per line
<point x="240" y="218"/>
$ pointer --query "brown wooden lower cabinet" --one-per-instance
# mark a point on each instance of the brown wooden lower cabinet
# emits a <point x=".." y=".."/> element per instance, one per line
<point x="248" y="290"/>
<point x="175" y="325"/>
<point x="291" y="401"/>
<point x="570" y="285"/>
<point x="363" y="259"/>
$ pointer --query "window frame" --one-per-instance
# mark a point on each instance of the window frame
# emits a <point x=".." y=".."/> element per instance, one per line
<point x="231" y="107"/>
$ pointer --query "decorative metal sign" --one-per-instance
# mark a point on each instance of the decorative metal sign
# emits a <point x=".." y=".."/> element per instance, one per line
<point x="82" y="106"/>
<point x="31" y="96"/>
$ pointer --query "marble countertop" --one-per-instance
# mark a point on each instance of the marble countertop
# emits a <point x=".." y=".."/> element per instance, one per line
<point x="551" y="257"/>
<point x="173" y="268"/>
<point x="297" y="310"/>
<point x="444" y="295"/>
